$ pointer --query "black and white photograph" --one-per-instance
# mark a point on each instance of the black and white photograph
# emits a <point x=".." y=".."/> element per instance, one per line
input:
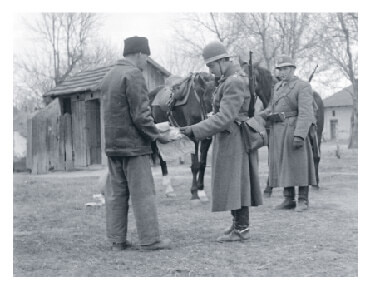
<point x="188" y="142"/>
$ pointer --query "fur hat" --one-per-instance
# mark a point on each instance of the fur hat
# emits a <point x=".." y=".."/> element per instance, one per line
<point x="136" y="44"/>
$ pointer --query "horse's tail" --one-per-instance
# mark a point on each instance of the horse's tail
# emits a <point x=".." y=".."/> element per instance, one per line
<point x="319" y="116"/>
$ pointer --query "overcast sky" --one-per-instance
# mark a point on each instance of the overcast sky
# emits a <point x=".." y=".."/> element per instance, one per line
<point x="117" y="26"/>
<point x="157" y="27"/>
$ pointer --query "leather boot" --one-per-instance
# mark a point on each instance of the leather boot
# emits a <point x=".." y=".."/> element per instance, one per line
<point x="160" y="245"/>
<point x="231" y="228"/>
<point x="240" y="228"/>
<point x="303" y="198"/>
<point x="121" y="246"/>
<point x="289" y="199"/>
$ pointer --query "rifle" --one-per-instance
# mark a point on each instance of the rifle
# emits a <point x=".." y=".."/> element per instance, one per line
<point x="313" y="136"/>
<point x="312" y="74"/>
<point x="251" y="86"/>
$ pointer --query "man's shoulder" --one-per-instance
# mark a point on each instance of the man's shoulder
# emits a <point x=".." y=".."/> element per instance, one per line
<point x="237" y="77"/>
<point x="126" y="66"/>
<point x="300" y="83"/>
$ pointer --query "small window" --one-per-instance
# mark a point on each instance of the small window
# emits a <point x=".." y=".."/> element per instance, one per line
<point x="333" y="113"/>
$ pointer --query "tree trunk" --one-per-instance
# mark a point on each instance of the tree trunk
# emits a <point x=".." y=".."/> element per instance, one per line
<point x="353" y="140"/>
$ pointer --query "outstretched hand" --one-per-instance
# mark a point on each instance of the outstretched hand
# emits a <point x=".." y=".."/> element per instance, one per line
<point x="163" y="139"/>
<point x="187" y="131"/>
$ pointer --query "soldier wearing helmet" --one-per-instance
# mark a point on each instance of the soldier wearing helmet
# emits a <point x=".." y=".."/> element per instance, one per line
<point x="290" y="115"/>
<point x="231" y="163"/>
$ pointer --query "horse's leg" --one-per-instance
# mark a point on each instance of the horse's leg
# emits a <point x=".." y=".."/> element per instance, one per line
<point x="166" y="180"/>
<point x="204" y="147"/>
<point x="316" y="165"/>
<point x="268" y="190"/>
<point x="195" y="165"/>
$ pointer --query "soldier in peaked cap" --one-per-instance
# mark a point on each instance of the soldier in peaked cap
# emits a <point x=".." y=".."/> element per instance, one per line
<point x="290" y="115"/>
<point x="129" y="130"/>
<point x="231" y="164"/>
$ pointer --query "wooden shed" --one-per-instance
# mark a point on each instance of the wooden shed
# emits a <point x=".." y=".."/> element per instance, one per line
<point x="68" y="133"/>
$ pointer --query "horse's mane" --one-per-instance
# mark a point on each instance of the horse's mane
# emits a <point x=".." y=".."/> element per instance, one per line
<point x="265" y="79"/>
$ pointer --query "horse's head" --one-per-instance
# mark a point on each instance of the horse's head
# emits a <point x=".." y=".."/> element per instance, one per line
<point x="264" y="81"/>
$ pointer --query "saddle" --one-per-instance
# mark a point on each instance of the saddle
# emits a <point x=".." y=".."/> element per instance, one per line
<point x="174" y="96"/>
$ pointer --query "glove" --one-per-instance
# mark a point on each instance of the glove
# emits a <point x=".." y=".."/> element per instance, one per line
<point x="162" y="139"/>
<point x="188" y="132"/>
<point x="298" y="142"/>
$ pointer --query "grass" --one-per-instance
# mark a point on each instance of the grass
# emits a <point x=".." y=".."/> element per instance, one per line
<point x="55" y="235"/>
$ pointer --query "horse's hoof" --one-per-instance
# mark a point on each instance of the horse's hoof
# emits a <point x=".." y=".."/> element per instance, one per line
<point x="202" y="195"/>
<point x="169" y="189"/>
<point x="170" y="194"/>
<point x="195" y="202"/>
<point x="166" y="180"/>
<point x="316" y="187"/>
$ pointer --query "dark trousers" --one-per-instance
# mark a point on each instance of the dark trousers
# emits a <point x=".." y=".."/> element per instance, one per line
<point x="303" y="193"/>
<point x="241" y="218"/>
<point x="131" y="177"/>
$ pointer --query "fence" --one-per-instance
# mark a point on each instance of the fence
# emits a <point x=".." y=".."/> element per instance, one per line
<point x="49" y="141"/>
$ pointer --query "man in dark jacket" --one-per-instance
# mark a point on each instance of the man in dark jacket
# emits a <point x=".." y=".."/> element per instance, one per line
<point x="129" y="130"/>
<point x="235" y="180"/>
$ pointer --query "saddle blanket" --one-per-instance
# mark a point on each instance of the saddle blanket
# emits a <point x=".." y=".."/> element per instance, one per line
<point x="162" y="98"/>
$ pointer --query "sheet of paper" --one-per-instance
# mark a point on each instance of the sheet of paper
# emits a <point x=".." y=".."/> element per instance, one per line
<point x="173" y="150"/>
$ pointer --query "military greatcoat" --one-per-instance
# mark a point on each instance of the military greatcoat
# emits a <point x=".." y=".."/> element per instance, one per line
<point x="235" y="180"/>
<point x="289" y="166"/>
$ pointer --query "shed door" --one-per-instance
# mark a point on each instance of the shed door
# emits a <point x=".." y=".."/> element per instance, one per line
<point x="79" y="143"/>
<point x="93" y="125"/>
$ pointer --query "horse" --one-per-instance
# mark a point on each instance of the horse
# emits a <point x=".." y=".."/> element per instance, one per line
<point x="264" y="84"/>
<point x="188" y="101"/>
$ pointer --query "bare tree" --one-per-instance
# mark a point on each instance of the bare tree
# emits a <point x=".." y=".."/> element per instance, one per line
<point x="64" y="43"/>
<point x="339" y="48"/>
<point x="66" y="36"/>
<point x="267" y="34"/>
<point x="193" y="31"/>
<point x="271" y="34"/>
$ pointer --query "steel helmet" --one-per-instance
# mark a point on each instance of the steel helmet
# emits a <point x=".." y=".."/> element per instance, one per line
<point x="214" y="51"/>
<point x="284" y="61"/>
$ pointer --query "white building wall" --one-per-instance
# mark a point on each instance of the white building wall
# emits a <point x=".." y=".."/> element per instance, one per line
<point x="343" y="117"/>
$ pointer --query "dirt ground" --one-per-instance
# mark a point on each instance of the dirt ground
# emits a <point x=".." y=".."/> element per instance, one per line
<point x="56" y="235"/>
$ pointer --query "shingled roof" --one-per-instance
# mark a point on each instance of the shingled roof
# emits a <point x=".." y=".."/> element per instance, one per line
<point x="89" y="80"/>
<point x="340" y="99"/>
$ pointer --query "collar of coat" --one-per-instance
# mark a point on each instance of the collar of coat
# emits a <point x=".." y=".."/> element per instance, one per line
<point x="291" y="83"/>
<point x="230" y="70"/>
<point x="124" y="61"/>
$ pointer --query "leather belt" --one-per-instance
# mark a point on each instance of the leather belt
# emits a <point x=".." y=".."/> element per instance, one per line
<point x="281" y="116"/>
